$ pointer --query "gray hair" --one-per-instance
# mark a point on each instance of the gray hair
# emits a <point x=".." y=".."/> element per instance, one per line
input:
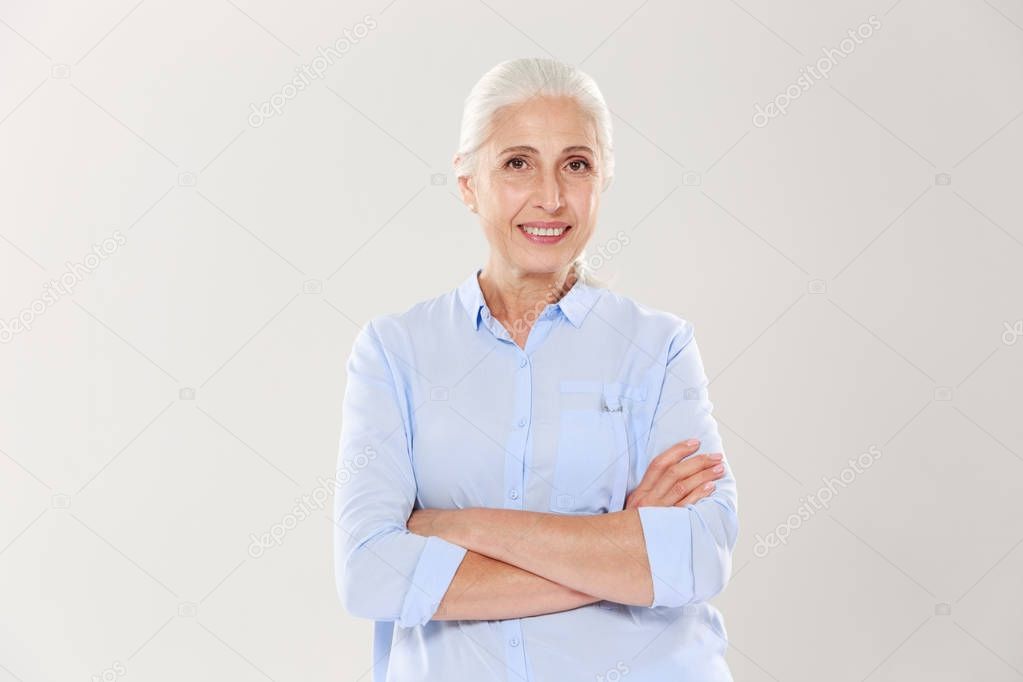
<point x="515" y="81"/>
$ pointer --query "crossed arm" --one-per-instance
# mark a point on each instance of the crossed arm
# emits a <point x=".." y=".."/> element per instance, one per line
<point x="488" y="589"/>
<point x="410" y="567"/>
<point x="525" y="563"/>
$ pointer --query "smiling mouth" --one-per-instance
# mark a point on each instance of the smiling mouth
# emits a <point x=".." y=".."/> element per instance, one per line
<point x="544" y="235"/>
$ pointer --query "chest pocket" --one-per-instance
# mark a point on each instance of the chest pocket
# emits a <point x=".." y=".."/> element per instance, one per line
<point x="596" y="446"/>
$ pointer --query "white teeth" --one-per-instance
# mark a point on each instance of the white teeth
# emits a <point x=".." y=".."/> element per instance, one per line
<point x="544" y="231"/>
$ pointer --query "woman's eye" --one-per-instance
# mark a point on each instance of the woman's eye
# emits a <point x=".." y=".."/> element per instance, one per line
<point x="518" y="163"/>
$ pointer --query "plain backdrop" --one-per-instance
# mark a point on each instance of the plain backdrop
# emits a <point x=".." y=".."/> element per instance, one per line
<point x="852" y="268"/>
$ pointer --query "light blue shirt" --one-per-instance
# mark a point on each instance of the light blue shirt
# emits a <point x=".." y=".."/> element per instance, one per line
<point x="443" y="410"/>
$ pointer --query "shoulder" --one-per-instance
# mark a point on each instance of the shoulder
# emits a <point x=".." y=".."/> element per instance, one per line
<point x="645" y="322"/>
<point x="397" y="329"/>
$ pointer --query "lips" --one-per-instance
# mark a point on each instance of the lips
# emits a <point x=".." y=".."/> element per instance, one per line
<point x="544" y="232"/>
<point x="545" y="224"/>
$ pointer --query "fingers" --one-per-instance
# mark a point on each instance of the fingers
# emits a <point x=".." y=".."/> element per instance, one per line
<point x="674" y="454"/>
<point x="682" y="492"/>
<point x="701" y="492"/>
<point x="700" y="485"/>
<point x="660" y="464"/>
<point x="674" y="483"/>
<point x="676" y="477"/>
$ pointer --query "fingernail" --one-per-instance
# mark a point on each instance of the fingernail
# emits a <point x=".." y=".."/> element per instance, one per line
<point x="716" y="456"/>
<point x="709" y="486"/>
<point x="718" y="469"/>
<point x="692" y="441"/>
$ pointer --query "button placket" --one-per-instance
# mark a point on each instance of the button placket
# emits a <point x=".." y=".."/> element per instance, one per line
<point x="515" y="654"/>
<point x="517" y="440"/>
<point x="516" y="455"/>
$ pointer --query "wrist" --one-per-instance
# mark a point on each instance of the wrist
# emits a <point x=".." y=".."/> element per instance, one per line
<point x="460" y="526"/>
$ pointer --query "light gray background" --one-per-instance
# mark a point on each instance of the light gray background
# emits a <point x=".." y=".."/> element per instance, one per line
<point x="852" y="269"/>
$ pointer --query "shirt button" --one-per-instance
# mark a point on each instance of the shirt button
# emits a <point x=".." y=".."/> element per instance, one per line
<point x="514" y="641"/>
<point x="522" y="362"/>
<point x="486" y="313"/>
<point x="522" y="422"/>
<point x="513" y="493"/>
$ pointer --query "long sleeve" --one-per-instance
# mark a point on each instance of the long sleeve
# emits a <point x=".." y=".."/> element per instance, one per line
<point x="384" y="572"/>
<point x="689" y="548"/>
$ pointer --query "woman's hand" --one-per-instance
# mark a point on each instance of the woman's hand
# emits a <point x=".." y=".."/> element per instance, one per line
<point x="669" y="482"/>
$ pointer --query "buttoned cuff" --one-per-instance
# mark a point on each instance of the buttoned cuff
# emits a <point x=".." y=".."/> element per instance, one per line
<point x="434" y="571"/>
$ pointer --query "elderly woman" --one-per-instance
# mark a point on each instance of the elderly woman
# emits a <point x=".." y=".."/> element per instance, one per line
<point x="531" y="484"/>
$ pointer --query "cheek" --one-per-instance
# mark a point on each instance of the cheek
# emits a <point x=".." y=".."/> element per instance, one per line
<point x="509" y="200"/>
<point x="585" y="202"/>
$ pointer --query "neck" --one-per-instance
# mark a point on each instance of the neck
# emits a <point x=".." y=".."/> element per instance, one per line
<point x="518" y="298"/>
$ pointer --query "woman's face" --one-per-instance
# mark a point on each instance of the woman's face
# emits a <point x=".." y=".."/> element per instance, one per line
<point x="539" y="168"/>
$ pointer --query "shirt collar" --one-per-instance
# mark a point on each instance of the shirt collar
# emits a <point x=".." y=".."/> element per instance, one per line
<point x="574" y="305"/>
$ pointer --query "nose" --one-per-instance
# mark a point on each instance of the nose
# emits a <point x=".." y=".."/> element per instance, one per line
<point x="548" y="191"/>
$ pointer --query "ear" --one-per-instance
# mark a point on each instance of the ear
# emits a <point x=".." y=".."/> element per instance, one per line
<point x="467" y="190"/>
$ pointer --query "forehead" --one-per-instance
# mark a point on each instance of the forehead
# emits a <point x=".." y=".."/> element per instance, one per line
<point x="543" y="121"/>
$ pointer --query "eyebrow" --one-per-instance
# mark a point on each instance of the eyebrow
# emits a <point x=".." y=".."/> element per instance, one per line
<point x="534" y="150"/>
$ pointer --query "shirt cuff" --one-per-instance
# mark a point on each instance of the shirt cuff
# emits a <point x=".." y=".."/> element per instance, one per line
<point x="668" y="536"/>
<point x="434" y="571"/>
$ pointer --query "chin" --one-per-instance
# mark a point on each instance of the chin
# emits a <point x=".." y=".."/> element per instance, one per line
<point x="545" y="267"/>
